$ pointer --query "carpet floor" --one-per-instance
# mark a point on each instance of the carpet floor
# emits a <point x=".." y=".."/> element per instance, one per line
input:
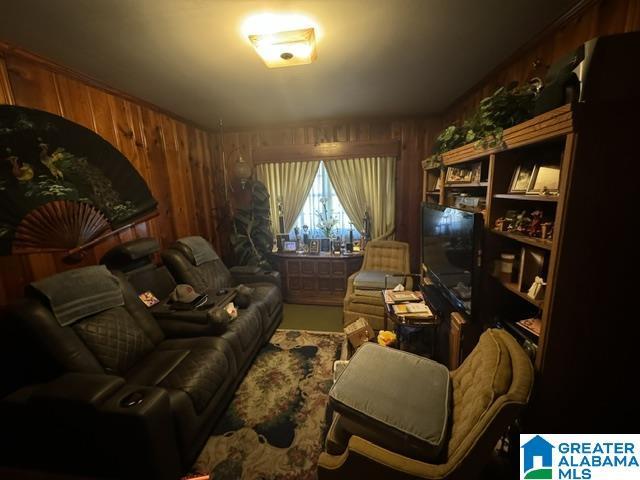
<point x="275" y="426"/>
<point x="312" y="317"/>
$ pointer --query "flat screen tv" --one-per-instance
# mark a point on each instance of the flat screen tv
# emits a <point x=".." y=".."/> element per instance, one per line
<point x="450" y="245"/>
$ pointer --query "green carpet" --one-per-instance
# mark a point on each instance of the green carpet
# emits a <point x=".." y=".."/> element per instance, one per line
<point x="312" y="317"/>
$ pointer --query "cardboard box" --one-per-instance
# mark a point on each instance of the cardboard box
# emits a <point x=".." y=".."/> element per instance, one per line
<point x="359" y="332"/>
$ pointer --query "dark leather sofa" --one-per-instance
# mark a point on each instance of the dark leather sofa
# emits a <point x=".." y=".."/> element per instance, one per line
<point x="133" y="400"/>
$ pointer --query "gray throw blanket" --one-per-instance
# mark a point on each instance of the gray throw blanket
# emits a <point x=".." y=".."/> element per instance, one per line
<point x="200" y="248"/>
<point x="81" y="292"/>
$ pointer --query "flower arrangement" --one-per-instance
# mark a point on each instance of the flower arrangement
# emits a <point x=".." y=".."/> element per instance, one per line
<point x="326" y="222"/>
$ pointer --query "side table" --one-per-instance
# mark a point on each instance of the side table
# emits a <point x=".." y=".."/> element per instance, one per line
<point x="414" y="334"/>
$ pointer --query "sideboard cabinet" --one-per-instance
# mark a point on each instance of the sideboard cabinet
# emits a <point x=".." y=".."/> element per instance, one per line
<point x="316" y="279"/>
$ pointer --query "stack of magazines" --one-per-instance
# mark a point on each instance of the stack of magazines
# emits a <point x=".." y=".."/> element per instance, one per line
<point x="408" y="304"/>
<point x="413" y="310"/>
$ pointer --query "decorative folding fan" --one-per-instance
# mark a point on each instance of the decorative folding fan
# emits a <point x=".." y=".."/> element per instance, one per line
<point x="60" y="225"/>
<point x="62" y="186"/>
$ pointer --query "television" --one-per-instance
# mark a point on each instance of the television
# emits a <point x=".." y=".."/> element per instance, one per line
<point x="450" y="250"/>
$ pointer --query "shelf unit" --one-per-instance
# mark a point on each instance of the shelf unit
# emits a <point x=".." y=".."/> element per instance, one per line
<point x="575" y="333"/>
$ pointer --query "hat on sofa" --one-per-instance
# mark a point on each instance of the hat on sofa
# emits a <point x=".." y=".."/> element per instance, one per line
<point x="183" y="293"/>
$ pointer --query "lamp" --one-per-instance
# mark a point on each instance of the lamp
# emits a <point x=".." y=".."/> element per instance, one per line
<point x="286" y="49"/>
<point x="242" y="171"/>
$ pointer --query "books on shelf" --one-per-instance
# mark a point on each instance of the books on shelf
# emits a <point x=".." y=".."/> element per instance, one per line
<point x="532" y="325"/>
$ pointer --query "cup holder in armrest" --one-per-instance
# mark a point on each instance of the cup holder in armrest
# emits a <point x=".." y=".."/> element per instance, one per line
<point x="133" y="399"/>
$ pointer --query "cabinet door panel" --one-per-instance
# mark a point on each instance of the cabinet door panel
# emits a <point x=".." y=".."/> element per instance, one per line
<point x="293" y="266"/>
<point x="324" y="268"/>
<point x="308" y="267"/>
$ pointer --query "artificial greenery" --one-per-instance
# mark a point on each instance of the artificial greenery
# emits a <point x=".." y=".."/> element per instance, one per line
<point x="507" y="107"/>
<point x="252" y="239"/>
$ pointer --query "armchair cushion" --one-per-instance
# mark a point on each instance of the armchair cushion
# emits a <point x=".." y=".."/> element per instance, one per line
<point x="366" y="392"/>
<point x="376" y="280"/>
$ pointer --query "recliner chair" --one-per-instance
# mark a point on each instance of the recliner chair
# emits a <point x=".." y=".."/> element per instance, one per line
<point x="211" y="275"/>
<point x="131" y="402"/>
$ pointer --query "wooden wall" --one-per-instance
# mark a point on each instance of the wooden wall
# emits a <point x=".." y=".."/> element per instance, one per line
<point x="595" y="18"/>
<point x="414" y="134"/>
<point x="177" y="159"/>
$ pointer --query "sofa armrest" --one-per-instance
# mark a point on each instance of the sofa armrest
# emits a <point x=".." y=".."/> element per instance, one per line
<point x="90" y="424"/>
<point x="263" y="276"/>
<point x="191" y="323"/>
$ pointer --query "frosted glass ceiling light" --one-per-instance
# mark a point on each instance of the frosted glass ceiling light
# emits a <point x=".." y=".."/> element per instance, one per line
<point x="282" y="40"/>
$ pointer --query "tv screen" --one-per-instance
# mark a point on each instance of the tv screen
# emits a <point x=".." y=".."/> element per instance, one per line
<point x="449" y="243"/>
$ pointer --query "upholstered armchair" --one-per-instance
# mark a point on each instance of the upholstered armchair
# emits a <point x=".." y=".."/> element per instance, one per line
<point x="488" y="391"/>
<point x="381" y="257"/>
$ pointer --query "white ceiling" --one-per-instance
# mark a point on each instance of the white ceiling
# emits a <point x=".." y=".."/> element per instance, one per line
<point x="375" y="58"/>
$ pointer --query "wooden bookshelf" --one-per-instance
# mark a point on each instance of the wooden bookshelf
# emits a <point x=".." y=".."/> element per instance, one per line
<point x="513" y="288"/>
<point x="532" y="241"/>
<point x="527" y="198"/>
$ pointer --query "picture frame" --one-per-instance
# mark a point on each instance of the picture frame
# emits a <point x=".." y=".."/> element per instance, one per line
<point x="314" y="246"/>
<point x="545" y="180"/>
<point x="289" y="246"/>
<point x="459" y="175"/>
<point x="325" y="245"/>
<point x="521" y="180"/>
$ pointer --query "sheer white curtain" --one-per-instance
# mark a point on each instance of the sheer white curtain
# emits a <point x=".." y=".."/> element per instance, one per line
<point x="367" y="184"/>
<point x="291" y="182"/>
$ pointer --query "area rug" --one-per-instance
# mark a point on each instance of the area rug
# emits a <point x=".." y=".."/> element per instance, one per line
<point x="275" y="426"/>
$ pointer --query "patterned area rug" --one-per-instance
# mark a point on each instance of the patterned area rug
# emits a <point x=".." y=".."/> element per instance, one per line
<point x="275" y="426"/>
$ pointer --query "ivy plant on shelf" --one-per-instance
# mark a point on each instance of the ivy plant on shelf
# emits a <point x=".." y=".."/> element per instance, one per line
<point x="252" y="239"/>
<point x="507" y="107"/>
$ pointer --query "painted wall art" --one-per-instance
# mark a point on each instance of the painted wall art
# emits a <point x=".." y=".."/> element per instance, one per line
<point x="61" y="184"/>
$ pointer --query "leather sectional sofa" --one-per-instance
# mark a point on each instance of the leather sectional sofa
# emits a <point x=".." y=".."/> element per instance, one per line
<point x="134" y="395"/>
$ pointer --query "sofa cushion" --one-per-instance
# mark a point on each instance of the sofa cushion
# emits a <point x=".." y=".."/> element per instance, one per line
<point x="199" y="374"/>
<point x="115" y="338"/>
<point x="395" y="399"/>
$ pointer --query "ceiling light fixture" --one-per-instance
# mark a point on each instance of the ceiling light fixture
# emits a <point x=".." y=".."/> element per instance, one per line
<point x="286" y="49"/>
<point x="282" y="40"/>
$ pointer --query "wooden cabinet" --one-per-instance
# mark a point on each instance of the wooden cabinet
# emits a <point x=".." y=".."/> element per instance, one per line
<point x="316" y="279"/>
<point x="585" y="261"/>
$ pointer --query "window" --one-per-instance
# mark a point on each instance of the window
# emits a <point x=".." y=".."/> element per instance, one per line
<point x="322" y="189"/>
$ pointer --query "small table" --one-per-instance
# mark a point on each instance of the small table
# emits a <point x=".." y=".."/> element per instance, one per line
<point x="415" y="335"/>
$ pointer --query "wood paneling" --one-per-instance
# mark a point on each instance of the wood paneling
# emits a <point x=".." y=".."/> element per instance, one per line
<point x="414" y="137"/>
<point x="604" y="17"/>
<point x="177" y="160"/>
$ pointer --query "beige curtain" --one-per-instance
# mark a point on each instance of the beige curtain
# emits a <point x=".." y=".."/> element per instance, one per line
<point x="291" y="181"/>
<point x="367" y="184"/>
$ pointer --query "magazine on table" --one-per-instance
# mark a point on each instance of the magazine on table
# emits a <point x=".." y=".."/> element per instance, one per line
<point x="419" y="309"/>
<point x="405" y="296"/>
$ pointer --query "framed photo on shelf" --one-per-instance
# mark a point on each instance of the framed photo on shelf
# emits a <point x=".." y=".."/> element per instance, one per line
<point x="290" y="246"/>
<point x="314" y="246"/>
<point x="459" y="175"/>
<point x="325" y="245"/>
<point x="476" y="172"/>
<point x="521" y="179"/>
<point x="545" y="180"/>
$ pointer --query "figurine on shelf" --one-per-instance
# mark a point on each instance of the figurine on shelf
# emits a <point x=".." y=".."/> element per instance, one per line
<point x="535" y="226"/>
<point x="546" y="230"/>
<point x="501" y="224"/>
<point x="305" y="234"/>
<point x="522" y="222"/>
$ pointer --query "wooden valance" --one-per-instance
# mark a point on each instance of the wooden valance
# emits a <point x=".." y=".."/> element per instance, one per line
<point x="324" y="151"/>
